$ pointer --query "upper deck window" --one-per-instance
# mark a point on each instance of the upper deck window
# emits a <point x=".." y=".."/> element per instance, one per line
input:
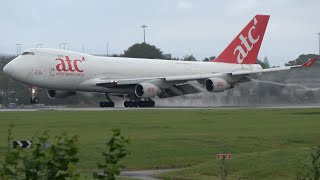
<point x="27" y="53"/>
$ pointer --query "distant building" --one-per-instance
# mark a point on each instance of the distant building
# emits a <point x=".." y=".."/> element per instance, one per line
<point x="167" y="56"/>
<point x="12" y="105"/>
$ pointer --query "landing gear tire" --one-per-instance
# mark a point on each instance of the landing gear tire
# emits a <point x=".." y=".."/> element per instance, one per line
<point x="34" y="100"/>
<point x="126" y="104"/>
<point x="149" y="103"/>
<point x="139" y="103"/>
<point x="107" y="104"/>
<point x="136" y="104"/>
<point x="131" y="103"/>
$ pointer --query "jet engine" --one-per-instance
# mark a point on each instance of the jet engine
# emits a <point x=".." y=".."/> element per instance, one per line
<point x="217" y="85"/>
<point x="147" y="90"/>
<point x="52" y="94"/>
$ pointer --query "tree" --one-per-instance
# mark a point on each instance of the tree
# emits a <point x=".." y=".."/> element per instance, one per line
<point x="266" y="62"/>
<point x="209" y="58"/>
<point x="263" y="64"/>
<point x="175" y="58"/>
<point x="115" y="151"/>
<point x="189" y="58"/>
<point x="143" y="50"/>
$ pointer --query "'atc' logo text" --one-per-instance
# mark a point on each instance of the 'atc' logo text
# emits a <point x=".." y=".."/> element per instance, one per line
<point x="67" y="65"/>
<point x="239" y="50"/>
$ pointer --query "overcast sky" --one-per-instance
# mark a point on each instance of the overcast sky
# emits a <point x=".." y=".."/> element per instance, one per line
<point x="199" y="27"/>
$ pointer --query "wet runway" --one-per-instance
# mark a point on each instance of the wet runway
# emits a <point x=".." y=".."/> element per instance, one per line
<point x="145" y="174"/>
<point x="158" y="108"/>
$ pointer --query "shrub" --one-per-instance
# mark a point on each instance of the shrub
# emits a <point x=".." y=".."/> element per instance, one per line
<point x="41" y="162"/>
<point x="310" y="167"/>
<point x="115" y="151"/>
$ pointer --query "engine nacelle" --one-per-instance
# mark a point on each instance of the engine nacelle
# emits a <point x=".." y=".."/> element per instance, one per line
<point x="147" y="90"/>
<point x="217" y="85"/>
<point x="52" y="94"/>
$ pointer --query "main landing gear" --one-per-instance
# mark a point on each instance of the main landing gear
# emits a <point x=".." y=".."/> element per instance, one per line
<point x="107" y="103"/>
<point x="134" y="102"/>
<point x="148" y="103"/>
<point x="34" y="99"/>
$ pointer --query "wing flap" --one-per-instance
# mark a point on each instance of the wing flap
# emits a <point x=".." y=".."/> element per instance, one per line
<point x="190" y="77"/>
<point x="236" y="73"/>
<point x="120" y="82"/>
<point x="178" y="90"/>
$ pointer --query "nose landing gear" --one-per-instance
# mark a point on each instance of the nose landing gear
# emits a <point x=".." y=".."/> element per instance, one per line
<point x="34" y="99"/>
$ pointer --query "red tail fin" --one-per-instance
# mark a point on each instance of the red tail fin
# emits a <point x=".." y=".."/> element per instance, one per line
<point x="245" y="47"/>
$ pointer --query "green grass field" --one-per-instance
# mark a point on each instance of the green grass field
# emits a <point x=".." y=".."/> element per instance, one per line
<point x="265" y="143"/>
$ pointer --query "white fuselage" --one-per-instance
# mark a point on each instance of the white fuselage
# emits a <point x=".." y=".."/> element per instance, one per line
<point x="67" y="70"/>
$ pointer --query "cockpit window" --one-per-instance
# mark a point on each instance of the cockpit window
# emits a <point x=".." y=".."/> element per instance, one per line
<point x="27" y="53"/>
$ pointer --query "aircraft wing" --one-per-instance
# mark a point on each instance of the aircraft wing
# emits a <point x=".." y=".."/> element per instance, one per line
<point x="170" y="87"/>
<point x="177" y="79"/>
<point x="179" y="85"/>
<point x="309" y="63"/>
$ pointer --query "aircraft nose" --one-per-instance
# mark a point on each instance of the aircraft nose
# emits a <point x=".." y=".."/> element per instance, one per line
<point x="8" y="69"/>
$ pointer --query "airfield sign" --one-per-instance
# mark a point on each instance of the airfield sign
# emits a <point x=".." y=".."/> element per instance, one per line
<point x="22" y="144"/>
<point x="224" y="156"/>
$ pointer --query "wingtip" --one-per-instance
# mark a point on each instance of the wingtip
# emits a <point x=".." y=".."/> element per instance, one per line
<point x="310" y="62"/>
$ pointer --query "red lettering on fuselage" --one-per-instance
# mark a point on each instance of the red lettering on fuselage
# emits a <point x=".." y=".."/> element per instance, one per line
<point x="61" y="66"/>
<point x="68" y="65"/>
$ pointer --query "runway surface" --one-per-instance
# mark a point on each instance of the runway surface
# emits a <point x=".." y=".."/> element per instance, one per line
<point x="145" y="174"/>
<point x="158" y="108"/>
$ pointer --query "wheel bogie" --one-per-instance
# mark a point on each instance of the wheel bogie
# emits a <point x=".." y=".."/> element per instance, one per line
<point x="139" y="103"/>
<point x="131" y="103"/>
<point x="34" y="100"/>
<point x="107" y="104"/>
<point x="136" y="104"/>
